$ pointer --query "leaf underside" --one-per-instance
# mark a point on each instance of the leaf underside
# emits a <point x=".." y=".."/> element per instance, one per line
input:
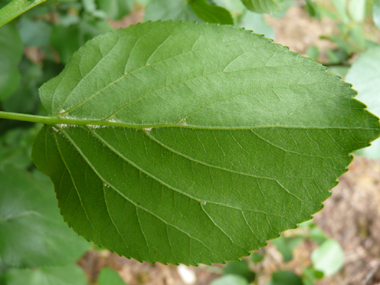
<point x="209" y="140"/>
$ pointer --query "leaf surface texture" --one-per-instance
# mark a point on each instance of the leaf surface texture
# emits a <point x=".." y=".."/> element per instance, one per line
<point x="205" y="141"/>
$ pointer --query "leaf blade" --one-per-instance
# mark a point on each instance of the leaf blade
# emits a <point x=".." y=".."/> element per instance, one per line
<point x="211" y="13"/>
<point x="266" y="6"/>
<point x="241" y="144"/>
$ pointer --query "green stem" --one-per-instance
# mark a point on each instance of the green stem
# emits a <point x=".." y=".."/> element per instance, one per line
<point x="52" y="120"/>
<point x="25" y="117"/>
<point x="16" y="8"/>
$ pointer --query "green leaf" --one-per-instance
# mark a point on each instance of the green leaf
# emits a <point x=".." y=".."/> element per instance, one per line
<point x="286" y="245"/>
<point x="326" y="12"/>
<point x="170" y="10"/>
<point x="16" y="147"/>
<point x="67" y="40"/>
<point x="357" y="37"/>
<point x="317" y="234"/>
<point x="236" y="6"/>
<point x="256" y="22"/>
<point x="309" y="275"/>
<point x="257" y="257"/>
<point x="116" y="9"/>
<point x="337" y="56"/>
<point x="67" y="275"/>
<point x="356" y="9"/>
<point x="342" y="44"/>
<point x="328" y="257"/>
<point x="16" y="8"/>
<point x="194" y="143"/>
<point x="110" y="277"/>
<point x="25" y="99"/>
<point x="229" y="280"/>
<point x="376" y="13"/>
<point x="264" y="6"/>
<point x="365" y="77"/>
<point x="339" y="70"/>
<point x="312" y="8"/>
<point x="10" y="55"/>
<point x="35" y="33"/>
<point x="211" y="13"/>
<point x="240" y="268"/>
<point x="313" y="52"/>
<point x="341" y="8"/>
<point x="285" y="278"/>
<point x="32" y="232"/>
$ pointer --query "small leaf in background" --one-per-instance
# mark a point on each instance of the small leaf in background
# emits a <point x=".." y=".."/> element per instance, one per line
<point x="376" y="13"/>
<point x="35" y="33"/>
<point x="309" y="275"/>
<point x="264" y="6"/>
<point x="91" y="8"/>
<point x="337" y="56"/>
<point x="211" y="13"/>
<point x="286" y="245"/>
<point x="107" y="276"/>
<point x="357" y="37"/>
<point x="32" y="232"/>
<point x="170" y="10"/>
<point x="317" y="234"/>
<point x="356" y="9"/>
<point x="236" y="6"/>
<point x="66" y="275"/>
<point x="11" y="50"/>
<point x="342" y="44"/>
<point x="326" y="12"/>
<point x="285" y="278"/>
<point x="311" y="7"/>
<point x="285" y="4"/>
<point x="207" y="138"/>
<point x="230" y="280"/>
<point x="313" y="52"/>
<point x="116" y="9"/>
<point x="256" y="257"/>
<point x="67" y="39"/>
<point x="25" y="99"/>
<point x="16" y="147"/>
<point x="256" y="22"/>
<point x="239" y="268"/>
<point x="365" y="77"/>
<point x="314" y="232"/>
<point x="16" y="8"/>
<point x="341" y="8"/>
<point x="328" y="257"/>
<point x="339" y="70"/>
